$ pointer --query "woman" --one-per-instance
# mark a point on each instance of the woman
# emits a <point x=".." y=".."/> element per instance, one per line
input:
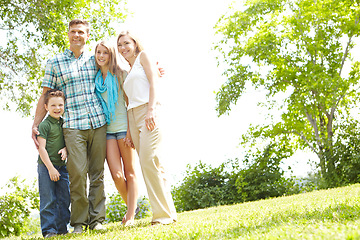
<point x="145" y="129"/>
<point x="118" y="154"/>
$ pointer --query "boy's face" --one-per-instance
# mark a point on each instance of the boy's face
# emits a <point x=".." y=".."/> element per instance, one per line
<point x="55" y="107"/>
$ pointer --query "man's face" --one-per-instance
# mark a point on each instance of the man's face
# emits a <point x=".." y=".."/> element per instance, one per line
<point x="78" y="35"/>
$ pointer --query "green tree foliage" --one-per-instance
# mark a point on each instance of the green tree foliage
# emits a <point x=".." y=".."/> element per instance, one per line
<point x="116" y="208"/>
<point x="300" y="50"/>
<point x="32" y="31"/>
<point x="15" y="207"/>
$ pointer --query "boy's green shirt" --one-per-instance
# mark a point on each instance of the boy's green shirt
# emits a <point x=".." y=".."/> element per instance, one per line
<point x="51" y="130"/>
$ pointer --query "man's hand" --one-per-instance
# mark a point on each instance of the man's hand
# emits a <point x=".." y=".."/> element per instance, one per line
<point x="34" y="133"/>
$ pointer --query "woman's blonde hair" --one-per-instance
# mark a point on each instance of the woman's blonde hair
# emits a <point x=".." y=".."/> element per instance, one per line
<point x="114" y="67"/>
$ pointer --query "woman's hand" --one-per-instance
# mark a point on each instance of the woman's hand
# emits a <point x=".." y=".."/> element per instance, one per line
<point x="150" y="120"/>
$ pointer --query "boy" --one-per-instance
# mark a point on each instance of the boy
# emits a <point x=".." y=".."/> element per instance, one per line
<point x="53" y="176"/>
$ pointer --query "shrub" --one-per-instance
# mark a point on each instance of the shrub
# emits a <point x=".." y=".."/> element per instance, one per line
<point x="346" y="154"/>
<point x="263" y="177"/>
<point x="15" y="207"/>
<point x="116" y="208"/>
<point x="204" y="186"/>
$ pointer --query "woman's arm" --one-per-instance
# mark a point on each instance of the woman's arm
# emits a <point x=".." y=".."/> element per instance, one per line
<point x="152" y="75"/>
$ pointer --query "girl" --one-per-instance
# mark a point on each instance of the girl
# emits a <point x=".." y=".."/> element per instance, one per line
<point x="140" y="89"/>
<point x="119" y="155"/>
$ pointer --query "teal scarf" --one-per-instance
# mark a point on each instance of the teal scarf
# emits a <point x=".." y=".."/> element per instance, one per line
<point x="110" y="85"/>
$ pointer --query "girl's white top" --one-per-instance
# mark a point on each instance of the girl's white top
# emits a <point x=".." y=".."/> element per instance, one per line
<point x="136" y="85"/>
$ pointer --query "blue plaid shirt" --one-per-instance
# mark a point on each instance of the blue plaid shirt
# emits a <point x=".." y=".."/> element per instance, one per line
<point x="76" y="78"/>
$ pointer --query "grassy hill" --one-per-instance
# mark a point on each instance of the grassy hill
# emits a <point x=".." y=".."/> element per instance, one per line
<point x="326" y="214"/>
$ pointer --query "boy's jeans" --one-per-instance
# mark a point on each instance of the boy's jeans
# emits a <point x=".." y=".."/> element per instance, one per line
<point x="54" y="201"/>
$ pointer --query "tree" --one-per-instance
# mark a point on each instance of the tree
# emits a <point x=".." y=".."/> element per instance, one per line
<point x="300" y="50"/>
<point x="34" y="30"/>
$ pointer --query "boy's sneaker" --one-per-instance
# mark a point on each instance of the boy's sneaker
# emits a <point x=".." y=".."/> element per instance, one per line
<point x="50" y="234"/>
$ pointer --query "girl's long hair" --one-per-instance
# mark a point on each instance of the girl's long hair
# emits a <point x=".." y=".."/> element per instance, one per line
<point x="114" y="67"/>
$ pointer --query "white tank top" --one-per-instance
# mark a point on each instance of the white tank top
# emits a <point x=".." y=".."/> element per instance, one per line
<point x="136" y="85"/>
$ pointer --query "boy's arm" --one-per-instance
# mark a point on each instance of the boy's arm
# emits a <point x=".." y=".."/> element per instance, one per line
<point x="63" y="153"/>
<point x="53" y="173"/>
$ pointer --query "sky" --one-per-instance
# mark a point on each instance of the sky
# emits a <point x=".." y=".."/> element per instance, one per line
<point x="180" y="35"/>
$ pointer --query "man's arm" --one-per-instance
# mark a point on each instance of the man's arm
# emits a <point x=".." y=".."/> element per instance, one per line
<point x="39" y="116"/>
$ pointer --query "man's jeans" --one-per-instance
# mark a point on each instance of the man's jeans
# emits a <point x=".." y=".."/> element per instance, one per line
<point x="54" y="201"/>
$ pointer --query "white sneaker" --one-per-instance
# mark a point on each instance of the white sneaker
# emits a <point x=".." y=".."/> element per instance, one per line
<point x="98" y="227"/>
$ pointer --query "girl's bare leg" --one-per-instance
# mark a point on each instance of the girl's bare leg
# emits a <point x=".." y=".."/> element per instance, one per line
<point x="113" y="158"/>
<point x="128" y="158"/>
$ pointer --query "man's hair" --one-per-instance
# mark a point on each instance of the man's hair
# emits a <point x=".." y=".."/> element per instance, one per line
<point x="53" y="93"/>
<point x="80" y="21"/>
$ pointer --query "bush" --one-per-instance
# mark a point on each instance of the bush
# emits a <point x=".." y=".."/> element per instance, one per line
<point x="263" y="177"/>
<point x="204" y="186"/>
<point x="15" y="207"/>
<point x="116" y="208"/>
<point x="346" y="154"/>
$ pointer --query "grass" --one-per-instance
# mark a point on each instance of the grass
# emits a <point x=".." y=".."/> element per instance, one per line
<point x="325" y="214"/>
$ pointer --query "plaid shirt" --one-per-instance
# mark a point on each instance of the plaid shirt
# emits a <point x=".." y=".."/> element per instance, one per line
<point x="76" y="78"/>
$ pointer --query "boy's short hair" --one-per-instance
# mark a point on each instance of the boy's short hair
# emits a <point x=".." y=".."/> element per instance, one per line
<point x="53" y="93"/>
<point x="80" y="21"/>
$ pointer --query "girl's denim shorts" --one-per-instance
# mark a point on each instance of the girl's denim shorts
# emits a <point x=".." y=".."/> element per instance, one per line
<point x="116" y="136"/>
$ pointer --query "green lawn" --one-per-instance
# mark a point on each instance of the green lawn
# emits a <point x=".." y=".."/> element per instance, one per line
<point x="326" y="214"/>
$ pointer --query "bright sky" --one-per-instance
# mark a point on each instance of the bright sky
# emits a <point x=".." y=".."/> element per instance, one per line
<point x="180" y="35"/>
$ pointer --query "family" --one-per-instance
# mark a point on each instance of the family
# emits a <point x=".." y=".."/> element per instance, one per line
<point x="94" y="111"/>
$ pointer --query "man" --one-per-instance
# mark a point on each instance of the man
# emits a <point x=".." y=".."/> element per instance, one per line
<point x="73" y="72"/>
